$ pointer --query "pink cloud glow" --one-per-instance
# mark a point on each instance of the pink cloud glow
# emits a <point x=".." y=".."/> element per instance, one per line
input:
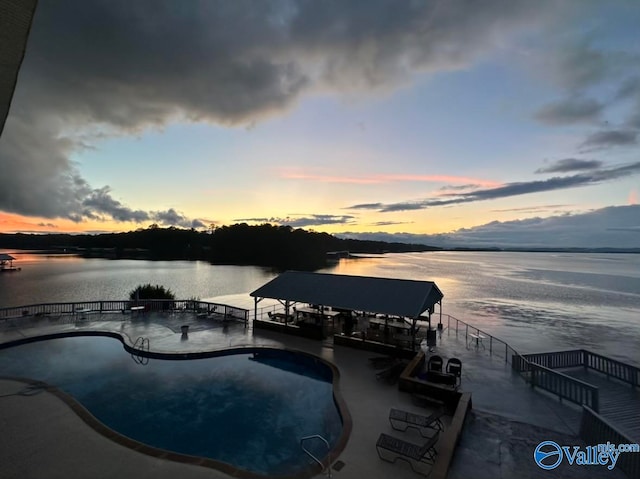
<point x="390" y="178"/>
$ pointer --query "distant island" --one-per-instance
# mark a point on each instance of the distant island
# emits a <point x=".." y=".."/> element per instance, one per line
<point x="281" y="247"/>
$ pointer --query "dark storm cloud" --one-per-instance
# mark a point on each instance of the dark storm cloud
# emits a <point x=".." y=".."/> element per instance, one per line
<point x="302" y="221"/>
<point x="100" y="202"/>
<point x="629" y="88"/>
<point x="99" y="68"/>
<point x="570" y="164"/>
<point x="510" y="189"/>
<point x="629" y="229"/>
<point x="610" y="138"/>
<point x="571" y="110"/>
<point x="581" y="65"/>
<point x="366" y="206"/>
<point x="614" y="227"/>
<point x="581" y="69"/>
<point x="634" y="119"/>
<point x="171" y="217"/>
<point x="317" y="220"/>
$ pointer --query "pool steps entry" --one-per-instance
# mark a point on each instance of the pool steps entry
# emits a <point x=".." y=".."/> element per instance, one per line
<point x="308" y="453"/>
<point x="142" y="345"/>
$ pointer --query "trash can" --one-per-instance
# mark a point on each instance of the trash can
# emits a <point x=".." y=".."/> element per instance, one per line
<point x="431" y="337"/>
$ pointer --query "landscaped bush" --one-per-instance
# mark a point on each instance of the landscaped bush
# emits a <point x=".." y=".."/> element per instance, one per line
<point x="144" y="292"/>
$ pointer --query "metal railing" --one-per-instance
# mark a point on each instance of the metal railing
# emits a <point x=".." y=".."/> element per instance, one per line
<point x="310" y="454"/>
<point x="495" y="345"/>
<point x="124" y="306"/>
<point x="141" y="345"/>
<point x="263" y="311"/>
<point x="537" y="374"/>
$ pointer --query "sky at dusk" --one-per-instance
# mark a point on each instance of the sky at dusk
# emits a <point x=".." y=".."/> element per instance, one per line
<point x="493" y="122"/>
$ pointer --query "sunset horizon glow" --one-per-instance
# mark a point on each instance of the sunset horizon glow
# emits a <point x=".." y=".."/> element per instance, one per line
<point x="404" y="121"/>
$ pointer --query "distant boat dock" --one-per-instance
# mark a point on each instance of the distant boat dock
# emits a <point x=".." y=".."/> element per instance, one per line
<point x="6" y="263"/>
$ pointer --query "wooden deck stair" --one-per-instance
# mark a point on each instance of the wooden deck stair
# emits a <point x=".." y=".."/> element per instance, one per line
<point x="619" y="402"/>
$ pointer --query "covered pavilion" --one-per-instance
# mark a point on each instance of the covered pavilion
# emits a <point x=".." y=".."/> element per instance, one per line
<point x="6" y="262"/>
<point x="404" y="298"/>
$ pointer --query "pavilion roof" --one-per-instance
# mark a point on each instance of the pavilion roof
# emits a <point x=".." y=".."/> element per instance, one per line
<point x="401" y="297"/>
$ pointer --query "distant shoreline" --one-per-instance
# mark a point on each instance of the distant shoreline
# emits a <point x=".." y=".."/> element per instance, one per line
<point x="350" y="255"/>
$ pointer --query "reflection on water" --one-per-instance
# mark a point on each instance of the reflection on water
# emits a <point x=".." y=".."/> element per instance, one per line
<point x="62" y="278"/>
<point x="536" y="301"/>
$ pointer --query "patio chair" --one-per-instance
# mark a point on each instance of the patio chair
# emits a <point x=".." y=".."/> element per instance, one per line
<point x="454" y="366"/>
<point x="391" y="449"/>
<point x="401" y="420"/>
<point x="434" y="363"/>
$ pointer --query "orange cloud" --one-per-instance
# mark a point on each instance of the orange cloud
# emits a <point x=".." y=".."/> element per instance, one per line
<point x="13" y="223"/>
<point x="390" y="178"/>
<point x="633" y="197"/>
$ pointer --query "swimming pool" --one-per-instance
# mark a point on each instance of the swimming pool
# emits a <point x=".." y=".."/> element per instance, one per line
<point x="248" y="408"/>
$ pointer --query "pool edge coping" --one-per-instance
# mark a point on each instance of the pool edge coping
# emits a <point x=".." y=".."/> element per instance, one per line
<point x="121" y="439"/>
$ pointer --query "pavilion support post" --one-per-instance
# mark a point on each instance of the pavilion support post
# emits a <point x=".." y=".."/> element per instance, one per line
<point x="255" y="311"/>
<point x="256" y="300"/>
<point x="286" y="312"/>
<point x="386" y="329"/>
<point x="413" y="333"/>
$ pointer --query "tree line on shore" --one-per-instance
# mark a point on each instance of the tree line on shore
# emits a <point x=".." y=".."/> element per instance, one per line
<point x="281" y="247"/>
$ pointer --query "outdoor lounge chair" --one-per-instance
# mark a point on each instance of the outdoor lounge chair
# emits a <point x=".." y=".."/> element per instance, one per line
<point x="401" y="420"/>
<point x="391" y="449"/>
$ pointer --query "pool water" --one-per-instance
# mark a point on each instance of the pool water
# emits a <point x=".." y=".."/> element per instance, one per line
<point x="249" y="410"/>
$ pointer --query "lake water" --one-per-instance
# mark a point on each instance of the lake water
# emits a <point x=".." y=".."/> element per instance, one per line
<point x="534" y="301"/>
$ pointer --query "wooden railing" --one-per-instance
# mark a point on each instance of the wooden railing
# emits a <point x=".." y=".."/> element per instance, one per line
<point x="581" y="357"/>
<point x="122" y="306"/>
<point x="612" y="368"/>
<point x="540" y="374"/>
<point x="594" y="429"/>
<point x="564" y="386"/>
<point x="536" y="368"/>
<point x="560" y="359"/>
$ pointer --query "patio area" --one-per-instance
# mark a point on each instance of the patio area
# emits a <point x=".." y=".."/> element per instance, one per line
<point x="43" y="427"/>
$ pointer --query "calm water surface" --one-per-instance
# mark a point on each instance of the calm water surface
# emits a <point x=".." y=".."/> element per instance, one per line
<point x="243" y="409"/>
<point x="534" y="301"/>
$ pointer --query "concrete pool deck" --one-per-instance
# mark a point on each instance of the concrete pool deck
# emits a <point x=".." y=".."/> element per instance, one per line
<point x="43" y="438"/>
